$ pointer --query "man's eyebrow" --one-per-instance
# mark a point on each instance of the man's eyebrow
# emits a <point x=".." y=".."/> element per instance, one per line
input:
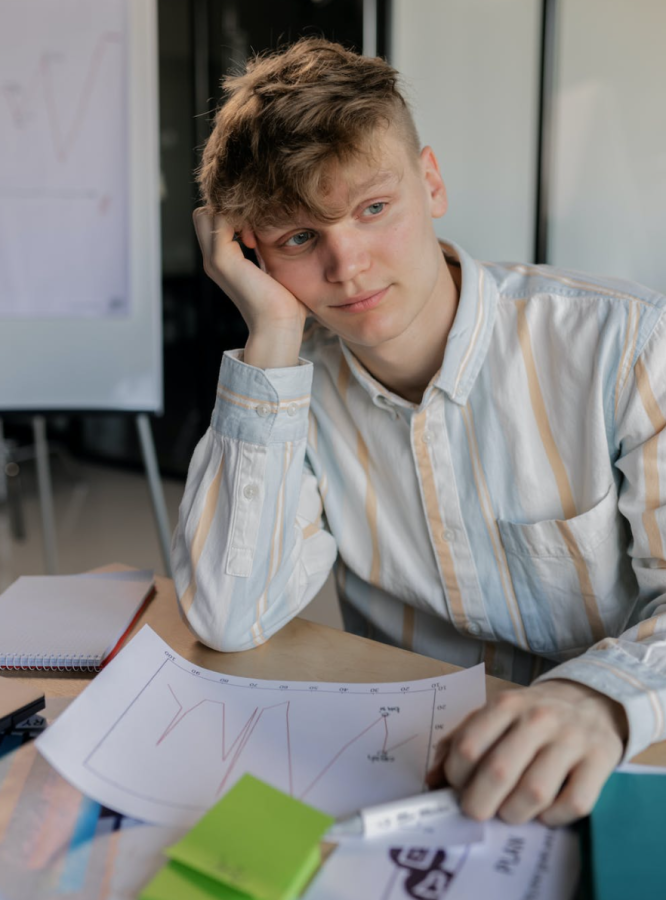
<point x="385" y="178"/>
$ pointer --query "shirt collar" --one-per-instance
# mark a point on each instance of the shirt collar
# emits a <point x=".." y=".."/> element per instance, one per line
<point x="466" y="345"/>
<point x="469" y="337"/>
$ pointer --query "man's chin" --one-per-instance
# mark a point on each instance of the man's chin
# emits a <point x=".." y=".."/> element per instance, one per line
<point x="370" y="335"/>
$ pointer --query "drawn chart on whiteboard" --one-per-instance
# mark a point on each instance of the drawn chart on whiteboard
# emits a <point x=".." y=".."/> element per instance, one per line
<point x="63" y="159"/>
<point x="193" y="732"/>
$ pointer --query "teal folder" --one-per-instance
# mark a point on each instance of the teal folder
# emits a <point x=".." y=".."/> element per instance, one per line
<point x="628" y="838"/>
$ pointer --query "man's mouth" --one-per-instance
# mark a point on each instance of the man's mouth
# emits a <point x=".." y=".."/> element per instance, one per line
<point x="360" y="302"/>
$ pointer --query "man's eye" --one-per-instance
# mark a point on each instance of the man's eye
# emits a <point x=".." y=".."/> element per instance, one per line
<point x="375" y="208"/>
<point x="297" y="240"/>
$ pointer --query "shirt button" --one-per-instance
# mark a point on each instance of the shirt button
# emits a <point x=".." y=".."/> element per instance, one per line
<point x="292" y="409"/>
<point x="263" y="410"/>
<point x="474" y="628"/>
<point x="427" y="437"/>
<point x="250" y="491"/>
<point x="448" y="534"/>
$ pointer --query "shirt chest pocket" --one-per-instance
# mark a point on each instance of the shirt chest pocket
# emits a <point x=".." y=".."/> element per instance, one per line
<point x="572" y="578"/>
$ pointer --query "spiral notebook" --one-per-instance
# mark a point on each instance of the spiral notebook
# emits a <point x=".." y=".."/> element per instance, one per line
<point x="69" y="621"/>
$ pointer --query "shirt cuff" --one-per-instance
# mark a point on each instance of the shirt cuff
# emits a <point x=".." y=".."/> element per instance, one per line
<point x="262" y="406"/>
<point x="618" y="675"/>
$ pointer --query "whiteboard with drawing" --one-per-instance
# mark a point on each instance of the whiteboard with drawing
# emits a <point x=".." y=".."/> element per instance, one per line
<point x="80" y="273"/>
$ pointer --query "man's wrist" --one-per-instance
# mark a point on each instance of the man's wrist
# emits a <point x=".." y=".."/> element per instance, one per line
<point x="576" y="692"/>
<point x="277" y="350"/>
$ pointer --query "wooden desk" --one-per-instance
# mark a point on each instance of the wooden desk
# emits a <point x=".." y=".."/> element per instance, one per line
<point x="301" y="651"/>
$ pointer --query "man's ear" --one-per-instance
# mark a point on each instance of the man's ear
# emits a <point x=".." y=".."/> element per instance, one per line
<point x="434" y="183"/>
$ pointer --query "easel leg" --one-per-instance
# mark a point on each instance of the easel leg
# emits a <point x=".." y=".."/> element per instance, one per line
<point x="5" y="536"/>
<point x="45" y="495"/>
<point x="10" y="490"/>
<point x="3" y="462"/>
<point x="155" y="486"/>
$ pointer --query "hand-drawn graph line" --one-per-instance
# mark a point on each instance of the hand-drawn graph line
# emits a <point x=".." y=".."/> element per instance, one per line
<point x="22" y="100"/>
<point x="244" y="734"/>
<point x="243" y="737"/>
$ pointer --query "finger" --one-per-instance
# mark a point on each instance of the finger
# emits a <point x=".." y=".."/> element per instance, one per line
<point x="260" y="260"/>
<point x="541" y="782"/>
<point x="203" y="226"/>
<point x="580" y="793"/>
<point x="503" y="766"/>
<point x="223" y="234"/>
<point x="435" y="775"/>
<point x="476" y="735"/>
<point x="248" y="238"/>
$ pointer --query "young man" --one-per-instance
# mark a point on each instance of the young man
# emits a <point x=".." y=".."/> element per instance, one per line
<point x="478" y="448"/>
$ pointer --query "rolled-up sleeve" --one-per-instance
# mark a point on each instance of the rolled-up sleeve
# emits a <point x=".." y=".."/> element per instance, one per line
<point x="250" y="549"/>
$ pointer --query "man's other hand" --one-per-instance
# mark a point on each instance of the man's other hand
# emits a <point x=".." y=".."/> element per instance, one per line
<point x="544" y="751"/>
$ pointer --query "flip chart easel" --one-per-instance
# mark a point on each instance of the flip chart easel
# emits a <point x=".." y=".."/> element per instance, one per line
<point x="80" y="268"/>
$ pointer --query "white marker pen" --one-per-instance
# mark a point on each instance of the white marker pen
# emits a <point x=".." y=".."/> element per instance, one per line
<point x="386" y="818"/>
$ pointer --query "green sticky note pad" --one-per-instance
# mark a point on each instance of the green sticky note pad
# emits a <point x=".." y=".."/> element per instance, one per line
<point x="256" y="840"/>
<point x="176" y="882"/>
<point x="627" y="829"/>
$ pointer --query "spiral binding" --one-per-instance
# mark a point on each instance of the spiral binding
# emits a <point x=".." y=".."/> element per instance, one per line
<point x="48" y="662"/>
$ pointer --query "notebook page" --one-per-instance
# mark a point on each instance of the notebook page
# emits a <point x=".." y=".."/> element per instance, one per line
<point x="79" y="619"/>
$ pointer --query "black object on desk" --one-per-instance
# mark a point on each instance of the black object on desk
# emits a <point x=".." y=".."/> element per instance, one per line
<point x="17" y="703"/>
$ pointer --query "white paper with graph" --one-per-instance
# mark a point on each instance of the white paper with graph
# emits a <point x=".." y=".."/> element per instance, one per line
<point x="158" y="739"/>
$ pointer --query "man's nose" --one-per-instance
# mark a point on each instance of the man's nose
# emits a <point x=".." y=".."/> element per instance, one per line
<point x="346" y="257"/>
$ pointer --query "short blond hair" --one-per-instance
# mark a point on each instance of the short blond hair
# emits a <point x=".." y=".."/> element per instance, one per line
<point x="287" y="117"/>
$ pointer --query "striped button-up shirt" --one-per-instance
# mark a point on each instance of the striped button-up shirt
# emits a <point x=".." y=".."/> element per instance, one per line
<point x="515" y="515"/>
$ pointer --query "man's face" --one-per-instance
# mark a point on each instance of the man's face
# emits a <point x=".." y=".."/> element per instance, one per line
<point x="376" y="271"/>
